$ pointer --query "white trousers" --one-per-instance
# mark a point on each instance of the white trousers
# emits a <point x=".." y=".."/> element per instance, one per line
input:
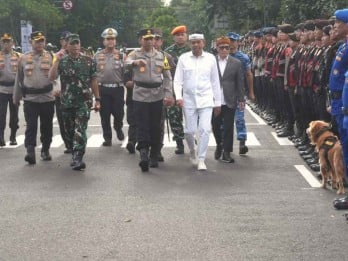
<point x="198" y="119"/>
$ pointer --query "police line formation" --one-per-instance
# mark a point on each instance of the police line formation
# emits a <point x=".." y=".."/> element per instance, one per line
<point x="293" y="75"/>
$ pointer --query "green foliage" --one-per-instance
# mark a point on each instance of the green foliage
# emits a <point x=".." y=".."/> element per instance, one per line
<point x="90" y="17"/>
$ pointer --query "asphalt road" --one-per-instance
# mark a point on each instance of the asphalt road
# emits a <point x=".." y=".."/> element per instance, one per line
<point x="259" y="208"/>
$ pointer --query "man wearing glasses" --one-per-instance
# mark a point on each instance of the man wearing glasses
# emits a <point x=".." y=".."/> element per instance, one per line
<point x="232" y="95"/>
<point x="111" y="88"/>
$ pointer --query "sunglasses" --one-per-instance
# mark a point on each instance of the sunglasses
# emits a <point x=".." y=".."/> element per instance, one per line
<point x="224" y="47"/>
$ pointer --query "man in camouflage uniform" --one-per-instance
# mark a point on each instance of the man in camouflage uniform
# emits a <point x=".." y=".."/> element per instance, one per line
<point x="110" y="80"/>
<point x="175" y="115"/>
<point x="63" y="44"/>
<point x="78" y="75"/>
<point x="34" y="85"/>
<point x="8" y="67"/>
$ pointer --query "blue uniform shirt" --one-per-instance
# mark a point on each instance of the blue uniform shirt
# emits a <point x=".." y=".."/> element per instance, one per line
<point x="246" y="63"/>
<point x="336" y="81"/>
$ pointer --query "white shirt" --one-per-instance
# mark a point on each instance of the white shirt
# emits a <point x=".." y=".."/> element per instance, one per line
<point x="197" y="82"/>
<point x="222" y="66"/>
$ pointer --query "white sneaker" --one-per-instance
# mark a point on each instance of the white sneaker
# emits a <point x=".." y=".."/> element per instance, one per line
<point x="193" y="158"/>
<point x="201" y="165"/>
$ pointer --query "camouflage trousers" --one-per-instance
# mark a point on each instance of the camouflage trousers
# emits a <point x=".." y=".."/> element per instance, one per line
<point x="176" y="122"/>
<point x="240" y="125"/>
<point x="75" y="123"/>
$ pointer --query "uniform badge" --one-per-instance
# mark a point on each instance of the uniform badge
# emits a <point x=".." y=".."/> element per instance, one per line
<point x="335" y="72"/>
<point x="142" y="69"/>
<point x="338" y="58"/>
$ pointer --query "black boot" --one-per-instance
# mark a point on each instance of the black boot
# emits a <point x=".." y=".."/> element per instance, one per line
<point x="30" y="156"/>
<point x="13" y="140"/>
<point x="45" y="155"/>
<point x="154" y="158"/>
<point x="243" y="149"/>
<point x="119" y="134"/>
<point x="78" y="164"/>
<point x="160" y="157"/>
<point x="130" y="147"/>
<point x="179" y="147"/>
<point x="218" y="152"/>
<point x="2" y="141"/>
<point x="144" y="159"/>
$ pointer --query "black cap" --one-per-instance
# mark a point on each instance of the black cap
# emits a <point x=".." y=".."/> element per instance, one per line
<point x="321" y="23"/>
<point x="286" y="28"/>
<point x="309" y="25"/>
<point x="293" y="37"/>
<point x="327" y="29"/>
<point x="146" y="33"/>
<point x="64" y="35"/>
<point x="37" y="35"/>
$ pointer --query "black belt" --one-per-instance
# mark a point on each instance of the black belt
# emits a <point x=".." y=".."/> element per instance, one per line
<point x="28" y="90"/>
<point x="7" y="84"/>
<point x="148" y="85"/>
<point x="336" y="95"/>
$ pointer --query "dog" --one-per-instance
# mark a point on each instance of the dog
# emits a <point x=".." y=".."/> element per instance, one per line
<point x="330" y="154"/>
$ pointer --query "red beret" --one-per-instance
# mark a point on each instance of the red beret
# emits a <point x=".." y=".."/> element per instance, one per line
<point x="179" y="29"/>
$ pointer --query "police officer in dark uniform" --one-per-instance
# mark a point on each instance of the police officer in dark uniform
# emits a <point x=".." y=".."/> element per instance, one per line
<point x="152" y="88"/>
<point x="33" y="84"/>
<point x="9" y="60"/>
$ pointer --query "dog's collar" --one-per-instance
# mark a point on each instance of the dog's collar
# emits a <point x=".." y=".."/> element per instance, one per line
<point x="324" y="129"/>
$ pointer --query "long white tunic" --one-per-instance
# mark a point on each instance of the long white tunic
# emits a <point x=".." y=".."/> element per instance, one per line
<point x="196" y="81"/>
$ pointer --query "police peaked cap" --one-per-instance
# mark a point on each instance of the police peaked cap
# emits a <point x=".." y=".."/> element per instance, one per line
<point x="286" y="28"/>
<point x="6" y="36"/>
<point x="146" y="33"/>
<point x="37" y="35"/>
<point x="342" y="15"/>
<point x="64" y="35"/>
<point x="109" y="33"/>
<point x="309" y="25"/>
<point x="293" y="37"/>
<point x="321" y="23"/>
<point x="327" y="29"/>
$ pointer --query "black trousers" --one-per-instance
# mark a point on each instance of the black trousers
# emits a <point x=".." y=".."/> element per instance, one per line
<point x="112" y="103"/>
<point x="223" y="128"/>
<point x="132" y="138"/>
<point x="32" y="112"/>
<point x="148" y="119"/>
<point x="13" y="123"/>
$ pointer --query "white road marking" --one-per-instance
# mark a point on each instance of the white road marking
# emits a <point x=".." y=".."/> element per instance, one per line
<point x="282" y="141"/>
<point x="20" y="142"/>
<point x="257" y="117"/>
<point x="95" y="141"/>
<point x="308" y="176"/>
